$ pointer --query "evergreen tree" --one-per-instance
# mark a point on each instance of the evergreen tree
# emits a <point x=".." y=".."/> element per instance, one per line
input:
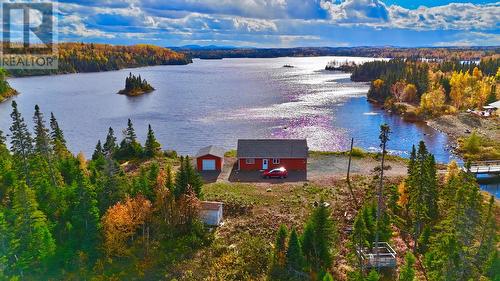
<point x="181" y="179"/>
<point x="422" y="190"/>
<point x="33" y="243"/>
<point x="2" y="139"/>
<point x="169" y="182"/>
<point x="294" y="257"/>
<point x="57" y="136"/>
<point x="187" y="176"/>
<point x="21" y="142"/>
<point x="110" y="147"/>
<point x="492" y="97"/>
<point x="359" y="238"/>
<point x="84" y="215"/>
<point x="152" y="146"/>
<point x="407" y="273"/>
<point x="129" y="147"/>
<point x="318" y="240"/>
<point x="451" y="252"/>
<point x="488" y="237"/>
<point x="373" y="276"/>
<point x="328" y="277"/>
<point x="279" y="256"/>
<point x="42" y="137"/>
<point x="43" y="144"/>
<point x="194" y="178"/>
<point x="98" y="152"/>
<point x="130" y="136"/>
<point x="5" y="237"/>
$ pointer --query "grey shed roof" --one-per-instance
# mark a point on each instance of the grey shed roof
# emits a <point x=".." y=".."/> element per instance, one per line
<point x="273" y="148"/>
<point x="212" y="150"/>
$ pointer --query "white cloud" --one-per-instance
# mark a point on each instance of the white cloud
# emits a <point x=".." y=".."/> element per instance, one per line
<point x="472" y="39"/>
<point x="254" y="25"/>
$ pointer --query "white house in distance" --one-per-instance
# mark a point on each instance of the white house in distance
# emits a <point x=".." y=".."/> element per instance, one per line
<point x="492" y="108"/>
<point x="211" y="213"/>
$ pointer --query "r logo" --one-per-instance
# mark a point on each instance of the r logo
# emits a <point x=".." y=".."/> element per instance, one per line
<point x="42" y="28"/>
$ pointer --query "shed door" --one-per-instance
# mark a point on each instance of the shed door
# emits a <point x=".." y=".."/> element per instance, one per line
<point x="208" y="165"/>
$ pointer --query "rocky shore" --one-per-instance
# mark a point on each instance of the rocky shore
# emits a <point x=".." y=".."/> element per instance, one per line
<point x="463" y="124"/>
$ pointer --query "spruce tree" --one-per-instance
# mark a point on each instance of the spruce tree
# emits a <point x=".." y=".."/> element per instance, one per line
<point x="33" y="243"/>
<point x="130" y="136"/>
<point x="194" y="178"/>
<point x="423" y="191"/>
<point x="21" y="142"/>
<point x="2" y="139"/>
<point x="373" y="276"/>
<point x="5" y="237"/>
<point x="407" y="273"/>
<point x="181" y="179"/>
<point x="109" y="147"/>
<point x="169" y="182"/>
<point x="42" y="137"/>
<point x="488" y="237"/>
<point x="294" y="256"/>
<point x="279" y="256"/>
<point x="152" y="146"/>
<point x="43" y="144"/>
<point x="57" y="136"/>
<point x="98" y="152"/>
<point x="318" y="240"/>
<point x="328" y="277"/>
<point x="84" y="215"/>
<point x="187" y="176"/>
<point x="360" y="237"/>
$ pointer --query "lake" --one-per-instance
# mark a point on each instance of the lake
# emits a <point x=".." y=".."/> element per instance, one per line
<point x="219" y="101"/>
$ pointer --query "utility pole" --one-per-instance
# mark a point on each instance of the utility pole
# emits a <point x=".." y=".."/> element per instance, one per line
<point x="349" y="175"/>
<point x="385" y="130"/>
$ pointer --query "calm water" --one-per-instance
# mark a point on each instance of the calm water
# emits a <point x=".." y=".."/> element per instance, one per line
<point x="219" y="101"/>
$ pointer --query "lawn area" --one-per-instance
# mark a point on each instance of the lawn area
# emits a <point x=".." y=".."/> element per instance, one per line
<point x="252" y="215"/>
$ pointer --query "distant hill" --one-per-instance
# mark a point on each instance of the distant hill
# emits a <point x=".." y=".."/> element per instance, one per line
<point x="461" y="53"/>
<point x="82" y="57"/>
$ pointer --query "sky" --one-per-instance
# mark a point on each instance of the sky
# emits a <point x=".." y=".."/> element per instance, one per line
<point x="281" y="23"/>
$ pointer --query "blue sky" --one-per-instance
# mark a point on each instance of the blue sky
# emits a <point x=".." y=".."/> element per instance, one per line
<point x="281" y="23"/>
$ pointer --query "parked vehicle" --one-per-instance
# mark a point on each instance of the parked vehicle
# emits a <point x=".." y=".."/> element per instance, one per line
<point x="280" y="173"/>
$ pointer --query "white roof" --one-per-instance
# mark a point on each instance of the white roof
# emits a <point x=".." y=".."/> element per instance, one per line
<point x="495" y="104"/>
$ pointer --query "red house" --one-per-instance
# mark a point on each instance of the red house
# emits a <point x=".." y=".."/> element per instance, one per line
<point x="264" y="154"/>
<point x="210" y="158"/>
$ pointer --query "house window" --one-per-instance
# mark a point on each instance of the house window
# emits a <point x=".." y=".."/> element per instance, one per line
<point x="250" y="161"/>
<point x="276" y="161"/>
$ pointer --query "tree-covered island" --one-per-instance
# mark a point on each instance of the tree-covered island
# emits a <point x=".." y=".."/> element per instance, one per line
<point x="136" y="86"/>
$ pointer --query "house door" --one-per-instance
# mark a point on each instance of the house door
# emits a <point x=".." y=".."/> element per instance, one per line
<point x="265" y="164"/>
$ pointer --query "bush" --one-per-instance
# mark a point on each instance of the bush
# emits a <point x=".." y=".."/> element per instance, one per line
<point x="472" y="143"/>
<point x="358" y="152"/>
<point x="170" y="154"/>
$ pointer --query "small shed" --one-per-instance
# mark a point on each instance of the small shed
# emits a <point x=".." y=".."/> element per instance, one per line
<point x="211" y="213"/>
<point x="210" y="158"/>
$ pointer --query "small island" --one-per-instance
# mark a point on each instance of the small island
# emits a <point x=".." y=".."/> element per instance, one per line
<point x="136" y="86"/>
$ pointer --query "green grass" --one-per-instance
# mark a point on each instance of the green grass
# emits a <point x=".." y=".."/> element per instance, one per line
<point x="477" y="147"/>
<point x="358" y="153"/>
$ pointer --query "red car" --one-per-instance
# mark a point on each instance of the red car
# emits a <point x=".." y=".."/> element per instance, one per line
<point x="275" y="173"/>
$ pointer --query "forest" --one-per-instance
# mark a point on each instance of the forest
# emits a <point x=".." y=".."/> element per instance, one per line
<point x="135" y="86"/>
<point x="92" y="57"/>
<point x="130" y="212"/>
<point x="434" y="88"/>
<point x="460" y="53"/>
